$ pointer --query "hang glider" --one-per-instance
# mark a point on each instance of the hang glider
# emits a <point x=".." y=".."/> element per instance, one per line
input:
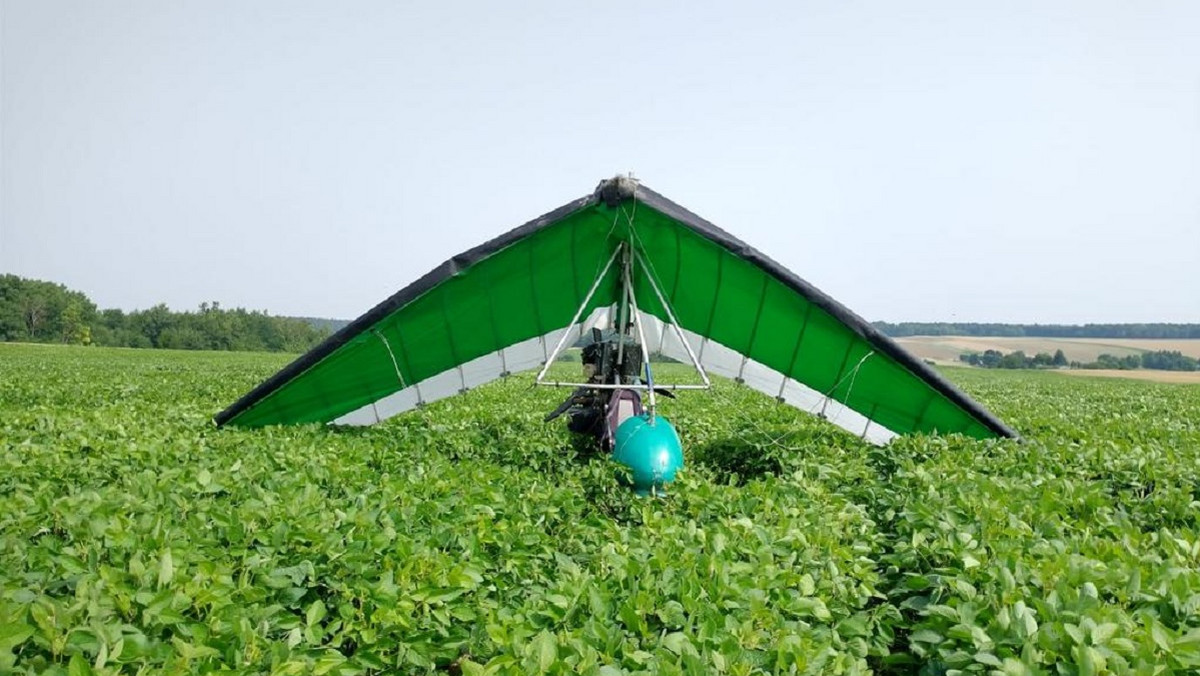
<point x="506" y="305"/>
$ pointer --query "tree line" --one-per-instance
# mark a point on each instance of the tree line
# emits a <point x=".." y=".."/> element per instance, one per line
<point x="1160" y="330"/>
<point x="1161" y="360"/>
<point x="44" y="312"/>
<point x="995" y="359"/>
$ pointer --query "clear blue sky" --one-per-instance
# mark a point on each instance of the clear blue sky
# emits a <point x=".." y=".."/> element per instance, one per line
<point x="1001" y="161"/>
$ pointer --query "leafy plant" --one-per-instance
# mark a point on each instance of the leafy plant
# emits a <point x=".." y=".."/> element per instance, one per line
<point x="468" y="537"/>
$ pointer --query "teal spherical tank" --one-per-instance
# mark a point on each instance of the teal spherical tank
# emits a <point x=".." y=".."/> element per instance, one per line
<point x="651" y="449"/>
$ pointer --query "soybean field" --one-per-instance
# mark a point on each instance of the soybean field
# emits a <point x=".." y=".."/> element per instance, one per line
<point x="468" y="537"/>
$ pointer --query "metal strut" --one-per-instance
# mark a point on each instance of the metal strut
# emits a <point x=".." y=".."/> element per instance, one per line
<point x="674" y="322"/>
<point x="626" y="309"/>
<point x="586" y="299"/>
<point x="627" y="278"/>
<point x="623" y="313"/>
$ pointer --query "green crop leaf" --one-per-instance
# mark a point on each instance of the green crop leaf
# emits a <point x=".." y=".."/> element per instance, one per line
<point x="78" y="666"/>
<point x="1086" y="660"/>
<point x="1186" y="648"/>
<point x="854" y="626"/>
<point x="545" y="650"/>
<point x="191" y="652"/>
<point x="1161" y="636"/>
<point x="814" y="607"/>
<point x="944" y="611"/>
<point x="926" y="636"/>
<point x="989" y="659"/>
<point x="101" y="656"/>
<point x="166" y="569"/>
<point x="314" y="632"/>
<point x="471" y="668"/>
<point x="676" y="642"/>
<point x="1029" y="623"/>
<point x="1014" y="667"/>
<point x="13" y="634"/>
<point x="328" y="662"/>
<point x="672" y="615"/>
<point x="807" y="586"/>
<point x="1102" y="633"/>
<point x="315" y="613"/>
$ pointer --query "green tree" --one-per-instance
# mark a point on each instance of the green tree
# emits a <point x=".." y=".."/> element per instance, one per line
<point x="71" y="326"/>
<point x="991" y="358"/>
<point x="12" y="321"/>
<point x="152" y="323"/>
<point x="36" y="306"/>
<point x="1014" y="360"/>
<point x="41" y="311"/>
<point x="1169" y="360"/>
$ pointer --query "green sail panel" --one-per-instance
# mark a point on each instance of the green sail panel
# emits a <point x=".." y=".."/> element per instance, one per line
<point x="502" y="307"/>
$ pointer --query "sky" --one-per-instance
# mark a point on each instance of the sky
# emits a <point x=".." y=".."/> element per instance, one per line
<point x="918" y="161"/>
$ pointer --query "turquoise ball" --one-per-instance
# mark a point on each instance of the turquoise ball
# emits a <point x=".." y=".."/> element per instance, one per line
<point x="651" y="449"/>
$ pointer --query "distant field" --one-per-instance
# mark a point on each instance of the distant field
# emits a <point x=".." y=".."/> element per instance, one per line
<point x="946" y="349"/>
<point x="1184" y="377"/>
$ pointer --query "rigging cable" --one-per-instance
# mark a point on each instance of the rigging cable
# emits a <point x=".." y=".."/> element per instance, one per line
<point x="395" y="364"/>
<point x="813" y="410"/>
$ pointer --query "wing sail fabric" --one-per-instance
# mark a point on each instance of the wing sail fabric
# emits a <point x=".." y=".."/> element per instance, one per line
<point x="502" y="306"/>
<point x="517" y="287"/>
<point x="726" y="293"/>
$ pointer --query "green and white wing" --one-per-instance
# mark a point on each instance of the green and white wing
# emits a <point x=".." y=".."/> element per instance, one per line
<point x="501" y="308"/>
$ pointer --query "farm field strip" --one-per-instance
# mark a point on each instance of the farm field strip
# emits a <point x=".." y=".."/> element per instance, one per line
<point x="468" y="537"/>
<point x="948" y="348"/>
<point x="1180" y="377"/>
